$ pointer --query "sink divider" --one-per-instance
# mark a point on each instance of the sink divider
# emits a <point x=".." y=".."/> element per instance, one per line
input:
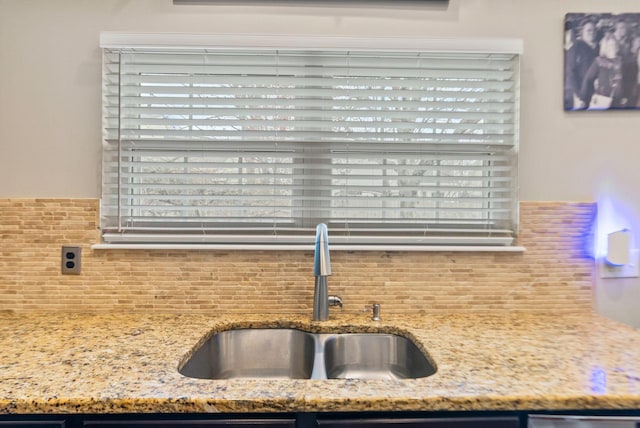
<point x="319" y="369"/>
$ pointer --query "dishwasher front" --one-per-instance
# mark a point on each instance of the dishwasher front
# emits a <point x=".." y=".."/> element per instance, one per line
<point x="575" y="421"/>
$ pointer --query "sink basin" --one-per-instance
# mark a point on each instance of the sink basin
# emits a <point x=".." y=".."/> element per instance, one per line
<point x="374" y="356"/>
<point x="253" y="353"/>
<point x="287" y="353"/>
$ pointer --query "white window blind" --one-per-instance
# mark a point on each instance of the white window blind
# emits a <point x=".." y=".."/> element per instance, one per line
<point x="258" y="145"/>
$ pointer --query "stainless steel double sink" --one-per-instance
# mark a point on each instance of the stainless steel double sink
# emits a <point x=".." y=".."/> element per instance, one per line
<point x="288" y="353"/>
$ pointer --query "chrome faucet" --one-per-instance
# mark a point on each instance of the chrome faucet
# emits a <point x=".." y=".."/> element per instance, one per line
<point x="321" y="270"/>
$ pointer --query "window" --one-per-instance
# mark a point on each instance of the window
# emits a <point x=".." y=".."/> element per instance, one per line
<point x="233" y="144"/>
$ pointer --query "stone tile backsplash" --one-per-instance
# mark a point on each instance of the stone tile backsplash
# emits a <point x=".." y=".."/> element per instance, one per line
<point x="554" y="274"/>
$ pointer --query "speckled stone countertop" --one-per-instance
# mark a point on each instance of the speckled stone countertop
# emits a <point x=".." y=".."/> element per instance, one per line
<point x="121" y="363"/>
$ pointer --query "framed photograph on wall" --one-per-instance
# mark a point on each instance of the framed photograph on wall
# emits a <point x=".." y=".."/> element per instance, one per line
<point x="601" y="61"/>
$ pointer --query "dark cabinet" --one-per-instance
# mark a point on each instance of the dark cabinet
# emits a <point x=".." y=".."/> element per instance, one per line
<point x="193" y="423"/>
<point x="301" y="420"/>
<point x="466" y="422"/>
<point x="32" y="424"/>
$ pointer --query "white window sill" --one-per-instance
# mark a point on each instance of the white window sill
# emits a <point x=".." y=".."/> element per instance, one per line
<point x="306" y="247"/>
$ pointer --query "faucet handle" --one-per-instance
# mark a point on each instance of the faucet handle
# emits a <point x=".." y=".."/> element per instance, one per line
<point x="375" y="311"/>
<point x="335" y="301"/>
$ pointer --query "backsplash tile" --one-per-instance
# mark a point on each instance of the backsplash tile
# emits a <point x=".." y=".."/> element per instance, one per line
<point x="555" y="274"/>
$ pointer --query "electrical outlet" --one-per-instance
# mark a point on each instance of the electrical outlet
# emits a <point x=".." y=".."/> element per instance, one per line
<point x="630" y="270"/>
<point x="71" y="260"/>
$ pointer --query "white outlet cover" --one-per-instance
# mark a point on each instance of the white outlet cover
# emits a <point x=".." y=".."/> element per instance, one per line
<point x="630" y="270"/>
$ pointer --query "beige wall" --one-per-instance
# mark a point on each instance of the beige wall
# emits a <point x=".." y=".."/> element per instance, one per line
<point x="553" y="275"/>
<point x="50" y="82"/>
<point x="50" y="90"/>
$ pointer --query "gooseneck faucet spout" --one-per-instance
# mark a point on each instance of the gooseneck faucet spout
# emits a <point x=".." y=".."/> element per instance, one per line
<point x="321" y="270"/>
<point x="321" y="258"/>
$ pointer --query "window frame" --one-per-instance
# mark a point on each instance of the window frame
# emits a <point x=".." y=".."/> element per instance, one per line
<point x="110" y="40"/>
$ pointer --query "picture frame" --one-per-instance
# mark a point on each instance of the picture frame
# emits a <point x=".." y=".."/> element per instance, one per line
<point x="601" y="61"/>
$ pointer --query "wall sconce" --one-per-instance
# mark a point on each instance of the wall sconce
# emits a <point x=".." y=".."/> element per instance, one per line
<point x="618" y="248"/>
<point x="620" y="261"/>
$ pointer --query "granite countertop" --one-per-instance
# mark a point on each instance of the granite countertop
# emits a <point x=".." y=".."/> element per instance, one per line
<point x="121" y="363"/>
